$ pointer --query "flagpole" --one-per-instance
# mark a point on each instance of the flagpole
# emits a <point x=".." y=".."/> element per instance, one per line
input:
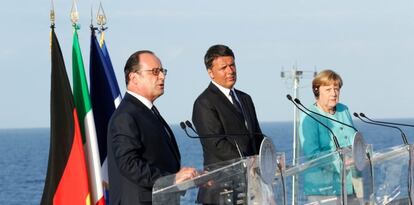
<point x="101" y="21"/>
<point x="86" y="116"/>
<point x="66" y="181"/>
<point x="52" y="14"/>
<point x="104" y="89"/>
<point x="74" y="14"/>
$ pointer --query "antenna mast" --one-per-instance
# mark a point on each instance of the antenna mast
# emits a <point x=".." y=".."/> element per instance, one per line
<point x="295" y="75"/>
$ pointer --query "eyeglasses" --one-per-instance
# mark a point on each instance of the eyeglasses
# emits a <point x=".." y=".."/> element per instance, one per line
<point x="156" y="71"/>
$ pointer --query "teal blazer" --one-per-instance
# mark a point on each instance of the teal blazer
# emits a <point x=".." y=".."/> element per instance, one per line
<point x="315" y="141"/>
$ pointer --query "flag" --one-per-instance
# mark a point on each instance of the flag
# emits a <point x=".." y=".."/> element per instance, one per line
<point x="116" y="93"/>
<point x="86" y="121"/>
<point x="105" y="96"/>
<point x="66" y="180"/>
<point x="113" y="83"/>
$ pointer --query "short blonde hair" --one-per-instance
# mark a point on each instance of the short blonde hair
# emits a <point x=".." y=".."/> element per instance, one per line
<point x="325" y="77"/>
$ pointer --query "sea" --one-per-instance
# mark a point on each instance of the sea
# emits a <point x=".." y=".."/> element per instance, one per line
<point x="24" y="154"/>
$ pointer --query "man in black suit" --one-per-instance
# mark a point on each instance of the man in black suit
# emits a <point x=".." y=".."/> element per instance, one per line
<point x="141" y="145"/>
<point x="223" y="110"/>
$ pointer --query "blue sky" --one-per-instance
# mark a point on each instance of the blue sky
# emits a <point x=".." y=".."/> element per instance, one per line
<point x="369" y="43"/>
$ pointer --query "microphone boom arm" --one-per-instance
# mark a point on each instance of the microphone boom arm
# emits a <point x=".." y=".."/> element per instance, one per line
<point x="299" y="103"/>
<point x="404" y="138"/>
<point x="333" y="135"/>
<point x="383" y="122"/>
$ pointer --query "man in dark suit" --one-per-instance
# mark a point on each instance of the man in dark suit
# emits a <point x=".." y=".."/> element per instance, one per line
<point x="141" y="145"/>
<point x="223" y="110"/>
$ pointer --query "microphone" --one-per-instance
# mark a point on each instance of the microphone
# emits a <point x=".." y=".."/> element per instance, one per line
<point x="183" y="126"/>
<point x="382" y="122"/>
<point x="404" y="138"/>
<point x="329" y="129"/>
<point x="299" y="103"/>
<point x="250" y="135"/>
<point x="188" y="124"/>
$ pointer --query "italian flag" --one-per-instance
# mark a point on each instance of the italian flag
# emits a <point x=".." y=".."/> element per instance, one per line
<point x="86" y="120"/>
<point x="66" y="180"/>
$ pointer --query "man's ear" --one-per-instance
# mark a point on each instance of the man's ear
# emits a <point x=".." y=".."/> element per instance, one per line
<point x="133" y="77"/>
<point x="210" y="73"/>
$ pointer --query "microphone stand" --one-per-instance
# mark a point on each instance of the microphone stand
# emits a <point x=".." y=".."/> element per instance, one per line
<point x="410" y="152"/>
<point x="188" y="124"/>
<point x="383" y="122"/>
<point x="337" y="121"/>
<point x="338" y="149"/>
<point x="329" y="129"/>
<point x="299" y="103"/>
<point x="404" y="138"/>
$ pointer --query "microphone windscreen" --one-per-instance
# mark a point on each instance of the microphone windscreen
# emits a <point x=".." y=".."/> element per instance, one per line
<point x="289" y="97"/>
<point x="356" y="114"/>
<point x="182" y="125"/>
<point x="297" y="101"/>
<point x="188" y="123"/>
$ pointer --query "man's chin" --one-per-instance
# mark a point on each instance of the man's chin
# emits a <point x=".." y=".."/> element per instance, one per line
<point x="160" y="93"/>
<point x="231" y="84"/>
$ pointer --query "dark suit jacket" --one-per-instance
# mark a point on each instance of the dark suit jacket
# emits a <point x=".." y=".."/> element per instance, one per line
<point x="214" y="114"/>
<point x="139" y="152"/>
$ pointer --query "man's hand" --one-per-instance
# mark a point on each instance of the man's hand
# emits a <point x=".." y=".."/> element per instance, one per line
<point x="184" y="174"/>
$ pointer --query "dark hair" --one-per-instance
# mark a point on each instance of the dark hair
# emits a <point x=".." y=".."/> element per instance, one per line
<point x="132" y="64"/>
<point x="216" y="51"/>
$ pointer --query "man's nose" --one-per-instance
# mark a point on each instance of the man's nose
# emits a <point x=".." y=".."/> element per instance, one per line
<point x="161" y="75"/>
<point x="231" y="69"/>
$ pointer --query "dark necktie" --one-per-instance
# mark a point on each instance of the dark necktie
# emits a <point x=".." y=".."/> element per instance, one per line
<point x="238" y="106"/>
<point x="236" y="103"/>
<point x="157" y="114"/>
<point x="167" y="130"/>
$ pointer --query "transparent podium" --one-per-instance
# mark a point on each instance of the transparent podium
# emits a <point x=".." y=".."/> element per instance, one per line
<point x="250" y="180"/>
<point x="393" y="169"/>
<point x="354" y="175"/>
<point x="350" y="175"/>
<point x="333" y="177"/>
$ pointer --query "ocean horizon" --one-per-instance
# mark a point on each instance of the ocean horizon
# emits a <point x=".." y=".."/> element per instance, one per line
<point x="25" y="153"/>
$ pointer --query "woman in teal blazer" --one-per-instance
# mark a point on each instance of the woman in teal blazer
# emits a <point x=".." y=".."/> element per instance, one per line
<point x="322" y="183"/>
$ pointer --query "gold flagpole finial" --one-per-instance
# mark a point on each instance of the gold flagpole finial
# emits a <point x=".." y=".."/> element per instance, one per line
<point x="52" y="13"/>
<point x="74" y="15"/>
<point x="101" y="18"/>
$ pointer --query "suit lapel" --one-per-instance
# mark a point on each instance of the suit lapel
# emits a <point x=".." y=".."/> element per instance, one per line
<point x="226" y="102"/>
<point x="162" y="123"/>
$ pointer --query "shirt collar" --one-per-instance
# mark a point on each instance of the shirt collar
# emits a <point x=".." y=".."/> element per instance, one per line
<point x="224" y="90"/>
<point x="144" y="100"/>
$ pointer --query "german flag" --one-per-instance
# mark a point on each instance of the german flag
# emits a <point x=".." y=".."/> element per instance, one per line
<point x="66" y="179"/>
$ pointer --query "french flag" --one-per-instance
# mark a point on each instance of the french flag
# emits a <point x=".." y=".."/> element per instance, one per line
<point x="105" y="97"/>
